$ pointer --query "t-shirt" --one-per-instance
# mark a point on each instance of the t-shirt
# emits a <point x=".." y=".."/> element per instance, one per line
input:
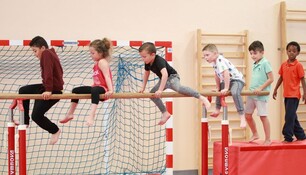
<point x="158" y="64"/>
<point x="223" y="64"/>
<point x="291" y="74"/>
<point x="51" y="71"/>
<point x="259" y="77"/>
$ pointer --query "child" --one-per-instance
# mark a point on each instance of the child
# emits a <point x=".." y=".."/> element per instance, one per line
<point x="168" y="76"/>
<point x="52" y="83"/>
<point x="292" y="73"/>
<point x="100" y="51"/>
<point x="227" y="78"/>
<point x="262" y="77"/>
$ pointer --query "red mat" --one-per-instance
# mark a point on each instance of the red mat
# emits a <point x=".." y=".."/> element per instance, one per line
<point x="255" y="159"/>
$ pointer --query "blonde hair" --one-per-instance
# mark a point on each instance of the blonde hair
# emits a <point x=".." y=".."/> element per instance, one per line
<point x="211" y="48"/>
<point x="103" y="47"/>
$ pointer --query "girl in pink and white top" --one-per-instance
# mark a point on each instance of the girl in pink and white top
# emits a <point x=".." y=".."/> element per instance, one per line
<point x="100" y="51"/>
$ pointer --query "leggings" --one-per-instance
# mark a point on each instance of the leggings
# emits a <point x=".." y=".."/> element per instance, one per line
<point x="236" y="87"/>
<point x="173" y="83"/>
<point x="40" y="108"/>
<point x="94" y="91"/>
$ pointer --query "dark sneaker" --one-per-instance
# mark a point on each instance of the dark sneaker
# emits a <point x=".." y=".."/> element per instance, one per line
<point x="300" y="139"/>
<point x="286" y="141"/>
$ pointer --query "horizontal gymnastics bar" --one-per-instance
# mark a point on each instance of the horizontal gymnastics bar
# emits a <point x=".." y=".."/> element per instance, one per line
<point x="115" y="95"/>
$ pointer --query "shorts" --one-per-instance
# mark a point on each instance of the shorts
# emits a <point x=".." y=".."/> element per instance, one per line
<point x="252" y="104"/>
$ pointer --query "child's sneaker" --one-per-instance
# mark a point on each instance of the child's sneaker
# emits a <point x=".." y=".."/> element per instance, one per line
<point x="286" y="141"/>
<point x="301" y="139"/>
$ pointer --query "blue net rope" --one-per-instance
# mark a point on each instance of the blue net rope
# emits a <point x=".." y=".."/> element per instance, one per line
<point x="124" y="139"/>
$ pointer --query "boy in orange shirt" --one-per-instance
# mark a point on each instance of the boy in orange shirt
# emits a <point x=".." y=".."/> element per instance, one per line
<point x="291" y="74"/>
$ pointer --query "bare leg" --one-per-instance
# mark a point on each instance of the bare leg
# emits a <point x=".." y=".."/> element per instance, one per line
<point x="91" y="118"/>
<point x="54" y="137"/>
<point x="252" y="126"/>
<point x="174" y="83"/>
<point x="266" y="126"/>
<point x="69" y="115"/>
<point x="166" y="115"/>
<point x="242" y="121"/>
<point x="205" y="102"/>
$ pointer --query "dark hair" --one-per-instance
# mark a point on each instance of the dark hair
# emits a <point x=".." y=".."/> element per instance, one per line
<point x="256" y="46"/>
<point x="102" y="46"/>
<point x="293" y="43"/>
<point x="148" y="46"/>
<point x="39" y="41"/>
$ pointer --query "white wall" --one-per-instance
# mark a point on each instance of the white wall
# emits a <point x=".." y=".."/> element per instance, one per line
<point x="173" y="20"/>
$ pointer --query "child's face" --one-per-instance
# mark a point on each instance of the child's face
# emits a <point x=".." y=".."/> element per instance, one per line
<point x="147" y="57"/>
<point x="210" y="56"/>
<point x="292" y="52"/>
<point x="38" y="51"/>
<point x="96" y="56"/>
<point x="256" y="55"/>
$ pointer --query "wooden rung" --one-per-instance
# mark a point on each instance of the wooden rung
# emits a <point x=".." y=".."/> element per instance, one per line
<point x="219" y="118"/>
<point x="233" y="137"/>
<point x="230" y="101"/>
<point x="296" y="19"/>
<point x="208" y="75"/>
<point x="296" y="11"/>
<point x="206" y="66"/>
<point x="233" y="54"/>
<point x="301" y="112"/>
<point x="234" y="129"/>
<point x="213" y="75"/>
<point x="215" y="129"/>
<point x="209" y="66"/>
<point x="215" y="34"/>
<point x="208" y="84"/>
<point x="225" y="44"/>
<point x="240" y="66"/>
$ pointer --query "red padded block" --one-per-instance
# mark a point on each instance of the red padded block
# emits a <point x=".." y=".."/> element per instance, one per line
<point x="254" y="159"/>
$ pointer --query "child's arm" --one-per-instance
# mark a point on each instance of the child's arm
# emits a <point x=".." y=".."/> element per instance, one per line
<point x="48" y="67"/>
<point x="304" y="88"/>
<point x="267" y="83"/>
<point x="226" y="76"/>
<point x="104" y="67"/>
<point x="145" y="80"/>
<point x="163" y="82"/>
<point x="279" y="82"/>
